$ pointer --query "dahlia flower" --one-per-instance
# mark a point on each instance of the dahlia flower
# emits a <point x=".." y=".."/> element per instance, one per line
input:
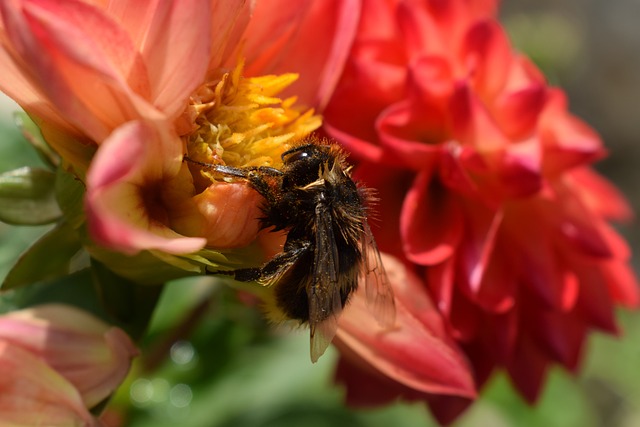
<point x="57" y="362"/>
<point x="485" y="175"/>
<point x="123" y="90"/>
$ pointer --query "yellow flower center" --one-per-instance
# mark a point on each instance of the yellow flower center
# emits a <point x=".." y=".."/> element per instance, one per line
<point x="240" y="121"/>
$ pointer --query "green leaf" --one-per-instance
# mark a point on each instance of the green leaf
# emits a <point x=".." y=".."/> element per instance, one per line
<point x="27" y="197"/>
<point x="32" y="133"/>
<point x="146" y="267"/>
<point x="69" y="191"/>
<point x="97" y="290"/>
<point x="48" y="258"/>
<point x="128" y="303"/>
<point x="75" y="289"/>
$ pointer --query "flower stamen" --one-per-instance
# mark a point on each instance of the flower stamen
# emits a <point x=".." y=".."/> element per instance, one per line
<point x="241" y="121"/>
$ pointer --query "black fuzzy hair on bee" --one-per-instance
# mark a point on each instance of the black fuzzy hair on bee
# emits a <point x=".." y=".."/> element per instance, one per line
<point x="329" y="247"/>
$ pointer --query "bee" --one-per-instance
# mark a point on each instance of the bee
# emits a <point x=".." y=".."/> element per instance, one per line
<point x="329" y="246"/>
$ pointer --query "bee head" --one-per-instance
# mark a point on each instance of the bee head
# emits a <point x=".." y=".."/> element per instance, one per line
<point x="304" y="164"/>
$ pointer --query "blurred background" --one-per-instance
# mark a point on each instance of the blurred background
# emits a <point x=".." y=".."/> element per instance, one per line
<point x="235" y="371"/>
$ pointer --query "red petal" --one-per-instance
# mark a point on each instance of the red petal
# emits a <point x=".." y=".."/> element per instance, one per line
<point x="518" y="108"/>
<point x="600" y="195"/>
<point x="431" y="222"/>
<point x="497" y="291"/>
<point x="576" y="225"/>
<point x="397" y="138"/>
<point x="594" y="301"/>
<point x="536" y="258"/>
<point x="390" y="186"/>
<point x="487" y="54"/>
<point x="622" y="282"/>
<point x="518" y="112"/>
<point x="528" y="369"/>
<point x="568" y="142"/>
<point x="440" y="279"/>
<point x="366" y="388"/>
<point x="294" y="27"/>
<point x="561" y="335"/>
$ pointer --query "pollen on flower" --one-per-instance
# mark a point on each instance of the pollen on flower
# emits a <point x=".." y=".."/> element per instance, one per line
<point x="241" y="121"/>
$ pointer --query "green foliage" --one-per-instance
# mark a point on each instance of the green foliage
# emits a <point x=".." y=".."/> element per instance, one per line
<point x="50" y="257"/>
<point x="27" y="197"/>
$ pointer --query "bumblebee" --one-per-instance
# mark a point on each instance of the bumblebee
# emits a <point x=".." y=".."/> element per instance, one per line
<point x="329" y="247"/>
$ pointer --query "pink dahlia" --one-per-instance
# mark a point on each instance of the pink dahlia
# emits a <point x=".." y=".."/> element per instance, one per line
<point x="122" y="90"/>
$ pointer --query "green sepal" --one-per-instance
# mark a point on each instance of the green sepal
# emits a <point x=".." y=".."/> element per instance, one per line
<point x="32" y="133"/>
<point x="70" y="191"/>
<point x="76" y="289"/>
<point x="145" y="268"/>
<point x="48" y="258"/>
<point x="96" y="290"/>
<point x="129" y="304"/>
<point x="27" y="197"/>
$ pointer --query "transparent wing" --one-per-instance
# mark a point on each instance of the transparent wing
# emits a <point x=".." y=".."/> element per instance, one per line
<point x="323" y="290"/>
<point x="377" y="286"/>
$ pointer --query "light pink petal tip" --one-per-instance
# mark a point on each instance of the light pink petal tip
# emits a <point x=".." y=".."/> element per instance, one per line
<point x="32" y="393"/>
<point x="124" y="205"/>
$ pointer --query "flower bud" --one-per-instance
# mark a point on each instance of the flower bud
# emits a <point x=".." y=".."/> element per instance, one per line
<point x="92" y="355"/>
<point x="32" y="393"/>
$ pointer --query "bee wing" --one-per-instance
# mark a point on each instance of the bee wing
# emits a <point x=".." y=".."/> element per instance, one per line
<point x="377" y="286"/>
<point x="323" y="292"/>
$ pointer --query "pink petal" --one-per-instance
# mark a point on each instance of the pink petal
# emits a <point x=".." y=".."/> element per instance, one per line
<point x="366" y="388"/>
<point x="87" y="352"/>
<point x="455" y="170"/>
<point x="171" y="36"/>
<point x="416" y="353"/>
<point x="230" y="213"/>
<point x="31" y="393"/>
<point x="18" y="86"/>
<point x="133" y="167"/>
<point x="76" y="54"/>
<point x="358" y="147"/>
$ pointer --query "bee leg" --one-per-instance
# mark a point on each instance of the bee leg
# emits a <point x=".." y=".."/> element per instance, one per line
<point x="254" y="175"/>
<point x="271" y="270"/>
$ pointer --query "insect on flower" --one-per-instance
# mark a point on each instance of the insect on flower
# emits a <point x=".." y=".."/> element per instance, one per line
<point x="329" y="246"/>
